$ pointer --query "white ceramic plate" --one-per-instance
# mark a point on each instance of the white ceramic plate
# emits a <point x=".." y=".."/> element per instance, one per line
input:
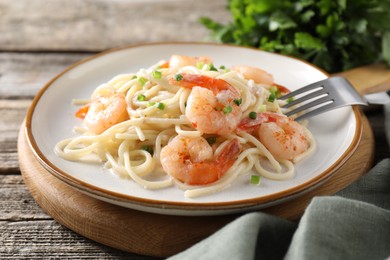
<point x="51" y="118"/>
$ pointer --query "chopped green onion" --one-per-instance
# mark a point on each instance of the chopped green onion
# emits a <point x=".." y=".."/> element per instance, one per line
<point x="141" y="97"/>
<point x="227" y="109"/>
<point x="255" y="179"/>
<point x="212" y="68"/>
<point x="262" y="108"/>
<point x="142" y="80"/>
<point x="161" y="106"/>
<point x="199" y="64"/>
<point x="275" y="91"/>
<point x="272" y="97"/>
<point x="222" y="67"/>
<point x="211" y="139"/>
<point x="156" y="74"/>
<point x="178" y="77"/>
<point x="238" y="101"/>
<point x="134" y="77"/>
<point x="148" y="148"/>
<point x="290" y="99"/>
<point x="252" y="115"/>
<point x="150" y="104"/>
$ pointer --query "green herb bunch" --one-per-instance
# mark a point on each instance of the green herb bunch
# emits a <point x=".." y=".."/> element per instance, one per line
<point x="335" y="35"/>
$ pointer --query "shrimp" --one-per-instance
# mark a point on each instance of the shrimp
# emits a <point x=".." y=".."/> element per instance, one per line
<point x="213" y="105"/>
<point x="104" y="112"/>
<point x="256" y="74"/>
<point x="281" y="135"/>
<point x="191" y="160"/>
<point x="179" y="61"/>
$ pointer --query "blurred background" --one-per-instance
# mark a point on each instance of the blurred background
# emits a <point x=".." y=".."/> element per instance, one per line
<point x="51" y="35"/>
<point x="95" y="25"/>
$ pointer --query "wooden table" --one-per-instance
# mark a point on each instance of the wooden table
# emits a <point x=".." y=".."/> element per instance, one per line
<point x="38" y="39"/>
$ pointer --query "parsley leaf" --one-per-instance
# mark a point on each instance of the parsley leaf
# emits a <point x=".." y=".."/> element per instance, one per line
<point x="334" y="35"/>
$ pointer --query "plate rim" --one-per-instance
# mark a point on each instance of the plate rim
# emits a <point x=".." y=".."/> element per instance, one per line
<point x="113" y="196"/>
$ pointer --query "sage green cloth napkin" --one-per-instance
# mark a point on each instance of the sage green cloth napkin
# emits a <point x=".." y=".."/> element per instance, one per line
<point x="353" y="224"/>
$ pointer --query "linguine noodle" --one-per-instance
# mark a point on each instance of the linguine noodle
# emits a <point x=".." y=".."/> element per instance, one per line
<point x="157" y="114"/>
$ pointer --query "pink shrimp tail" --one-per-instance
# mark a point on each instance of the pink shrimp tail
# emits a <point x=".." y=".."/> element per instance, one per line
<point x="209" y="172"/>
<point x="193" y="80"/>
<point x="283" y="90"/>
<point x="82" y="112"/>
<point x="228" y="155"/>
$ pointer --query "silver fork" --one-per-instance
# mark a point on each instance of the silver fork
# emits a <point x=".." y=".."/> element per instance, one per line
<point x="322" y="96"/>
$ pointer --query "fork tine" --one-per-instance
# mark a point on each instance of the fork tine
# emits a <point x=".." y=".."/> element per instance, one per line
<point x="302" y="90"/>
<point x="323" y="96"/>
<point x="318" y="92"/>
<point x="306" y="106"/>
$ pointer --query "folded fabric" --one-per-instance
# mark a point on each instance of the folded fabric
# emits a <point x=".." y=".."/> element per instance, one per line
<point x="353" y="224"/>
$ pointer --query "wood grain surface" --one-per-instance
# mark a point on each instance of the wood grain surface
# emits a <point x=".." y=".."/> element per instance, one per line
<point x="95" y="25"/>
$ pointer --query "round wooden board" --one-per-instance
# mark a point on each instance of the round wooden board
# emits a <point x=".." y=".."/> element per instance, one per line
<point x="160" y="235"/>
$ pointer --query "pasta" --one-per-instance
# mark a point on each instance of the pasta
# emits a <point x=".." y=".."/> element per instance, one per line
<point x="140" y="124"/>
